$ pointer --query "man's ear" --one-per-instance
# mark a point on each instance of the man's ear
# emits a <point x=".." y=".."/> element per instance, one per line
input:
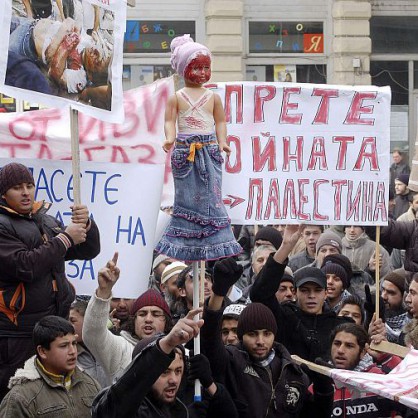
<point x="364" y="351"/>
<point x="42" y="352"/>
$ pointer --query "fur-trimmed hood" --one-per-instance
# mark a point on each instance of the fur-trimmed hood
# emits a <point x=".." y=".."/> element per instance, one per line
<point x="28" y="373"/>
<point x="411" y="333"/>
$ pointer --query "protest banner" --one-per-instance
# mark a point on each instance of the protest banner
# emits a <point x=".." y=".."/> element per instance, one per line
<point x="316" y="154"/>
<point x="124" y="206"/>
<point x="71" y="56"/>
<point x="133" y="165"/>
<point x="399" y="385"/>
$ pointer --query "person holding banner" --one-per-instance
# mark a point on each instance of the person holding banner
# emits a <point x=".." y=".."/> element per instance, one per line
<point x="349" y="352"/>
<point x="200" y="228"/>
<point x="33" y="249"/>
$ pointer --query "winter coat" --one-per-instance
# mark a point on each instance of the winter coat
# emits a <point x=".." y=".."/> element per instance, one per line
<point x="304" y="334"/>
<point x="278" y="390"/>
<point x="34" y="394"/>
<point x="129" y="396"/>
<point x="300" y="260"/>
<point x="360" y="251"/>
<point x="33" y="251"/>
<point x="113" y="352"/>
<point x="87" y="363"/>
<point x="401" y="235"/>
<point x="401" y="205"/>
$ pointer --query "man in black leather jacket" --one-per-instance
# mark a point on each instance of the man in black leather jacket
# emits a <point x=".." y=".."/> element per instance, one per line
<point x="149" y="386"/>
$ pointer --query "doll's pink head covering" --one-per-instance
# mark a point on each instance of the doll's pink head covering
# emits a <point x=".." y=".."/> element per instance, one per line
<point x="183" y="50"/>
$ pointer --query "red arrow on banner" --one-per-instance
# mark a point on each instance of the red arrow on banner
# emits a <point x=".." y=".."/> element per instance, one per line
<point x="232" y="201"/>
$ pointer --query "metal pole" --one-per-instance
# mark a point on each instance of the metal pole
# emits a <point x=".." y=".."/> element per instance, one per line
<point x="197" y="388"/>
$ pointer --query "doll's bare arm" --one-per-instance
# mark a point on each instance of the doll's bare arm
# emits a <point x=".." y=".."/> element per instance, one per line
<point x="170" y="123"/>
<point x="220" y="124"/>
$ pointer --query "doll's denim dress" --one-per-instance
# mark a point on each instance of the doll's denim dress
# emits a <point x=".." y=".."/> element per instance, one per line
<point x="200" y="227"/>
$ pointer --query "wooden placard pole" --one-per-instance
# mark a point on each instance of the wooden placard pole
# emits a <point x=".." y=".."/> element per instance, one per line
<point x="75" y="156"/>
<point x="377" y="272"/>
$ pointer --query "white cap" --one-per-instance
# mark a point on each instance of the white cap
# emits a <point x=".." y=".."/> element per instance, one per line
<point x="158" y="260"/>
<point x="175" y="267"/>
<point x="234" y="309"/>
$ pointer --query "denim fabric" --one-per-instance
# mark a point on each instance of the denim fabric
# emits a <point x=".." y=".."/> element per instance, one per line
<point x="200" y="227"/>
<point x="21" y="39"/>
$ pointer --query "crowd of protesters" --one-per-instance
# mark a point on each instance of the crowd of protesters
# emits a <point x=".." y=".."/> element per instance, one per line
<point x="303" y="290"/>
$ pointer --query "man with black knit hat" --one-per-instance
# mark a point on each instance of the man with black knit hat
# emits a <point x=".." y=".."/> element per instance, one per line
<point x="259" y="373"/>
<point x="303" y="328"/>
<point x="268" y="236"/>
<point x="337" y="268"/>
<point x="151" y="315"/>
<point x="402" y="195"/>
<point x="396" y="316"/>
<point x="33" y="249"/>
<point x="287" y="290"/>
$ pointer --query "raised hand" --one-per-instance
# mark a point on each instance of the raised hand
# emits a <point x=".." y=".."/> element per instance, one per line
<point x="225" y="273"/>
<point x="107" y="278"/>
<point x="185" y="329"/>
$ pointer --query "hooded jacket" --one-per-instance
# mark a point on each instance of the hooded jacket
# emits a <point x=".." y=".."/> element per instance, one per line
<point x="32" y="267"/>
<point x="34" y="393"/>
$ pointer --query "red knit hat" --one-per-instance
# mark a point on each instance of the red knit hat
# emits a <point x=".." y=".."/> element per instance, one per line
<point x="13" y="174"/>
<point x="151" y="298"/>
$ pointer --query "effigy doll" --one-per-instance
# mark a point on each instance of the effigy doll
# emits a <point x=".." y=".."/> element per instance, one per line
<point x="199" y="228"/>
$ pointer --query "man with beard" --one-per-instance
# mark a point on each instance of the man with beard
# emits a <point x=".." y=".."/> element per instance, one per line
<point x="259" y="373"/>
<point x="151" y="315"/>
<point x="349" y="352"/>
<point x="396" y="317"/>
<point x="154" y="393"/>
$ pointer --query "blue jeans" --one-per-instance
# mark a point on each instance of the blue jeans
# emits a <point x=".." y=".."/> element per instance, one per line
<point x="200" y="227"/>
<point x="21" y="37"/>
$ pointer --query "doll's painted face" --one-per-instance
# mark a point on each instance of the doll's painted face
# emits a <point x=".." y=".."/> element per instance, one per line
<point x="198" y="71"/>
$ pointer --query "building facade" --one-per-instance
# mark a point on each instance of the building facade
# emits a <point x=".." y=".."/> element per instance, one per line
<point x="351" y="42"/>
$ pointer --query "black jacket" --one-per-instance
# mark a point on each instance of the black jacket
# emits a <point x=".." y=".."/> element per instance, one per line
<point x="304" y="334"/>
<point x="32" y="268"/>
<point x="129" y="396"/>
<point x="279" y="390"/>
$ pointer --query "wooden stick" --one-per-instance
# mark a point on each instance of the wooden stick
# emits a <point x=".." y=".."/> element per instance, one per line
<point x="312" y="366"/>
<point x="390" y="348"/>
<point x="75" y="156"/>
<point x="377" y="272"/>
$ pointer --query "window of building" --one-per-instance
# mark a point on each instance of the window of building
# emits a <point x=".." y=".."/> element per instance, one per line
<point x="393" y="74"/>
<point x="394" y="34"/>
<point x="147" y="36"/>
<point x="298" y="37"/>
<point x="293" y="73"/>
